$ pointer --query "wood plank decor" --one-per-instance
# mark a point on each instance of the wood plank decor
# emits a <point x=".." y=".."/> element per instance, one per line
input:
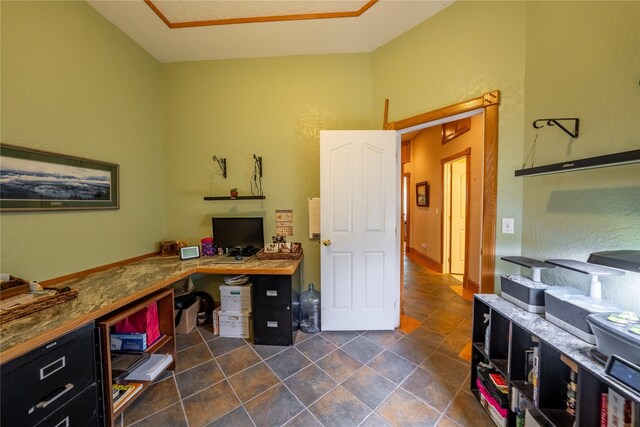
<point x="15" y="312"/>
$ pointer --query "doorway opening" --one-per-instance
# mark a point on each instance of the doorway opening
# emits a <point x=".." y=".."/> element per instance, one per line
<point x="487" y="105"/>
<point x="455" y="215"/>
<point x="406" y="212"/>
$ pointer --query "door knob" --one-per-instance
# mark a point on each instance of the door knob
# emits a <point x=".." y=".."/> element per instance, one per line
<point x="326" y="242"/>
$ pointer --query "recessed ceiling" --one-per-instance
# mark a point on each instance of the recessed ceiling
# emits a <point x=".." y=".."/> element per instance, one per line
<point x="182" y="14"/>
<point x="188" y="30"/>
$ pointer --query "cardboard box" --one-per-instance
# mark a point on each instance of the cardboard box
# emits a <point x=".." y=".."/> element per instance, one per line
<point x="128" y="342"/>
<point x="235" y="298"/>
<point x="235" y="324"/>
<point x="188" y="319"/>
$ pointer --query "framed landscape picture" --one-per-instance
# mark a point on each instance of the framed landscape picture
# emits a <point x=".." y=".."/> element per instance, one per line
<point x="422" y="193"/>
<point x="34" y="180"/>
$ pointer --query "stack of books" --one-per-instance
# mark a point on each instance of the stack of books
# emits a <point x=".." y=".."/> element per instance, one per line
<point x="151" y="368"/>
<point x="122" y="393"/>
<point x="616" y="411"/>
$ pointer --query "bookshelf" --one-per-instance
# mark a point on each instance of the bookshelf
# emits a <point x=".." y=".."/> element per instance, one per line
<point x="512" y="332"/>
<point x="166" y="344"/>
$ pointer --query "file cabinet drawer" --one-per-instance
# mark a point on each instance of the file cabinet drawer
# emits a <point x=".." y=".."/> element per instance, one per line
<point x="79" y="412"/>
<point x="272" y="325"/>
<point x="35" y="385"/>
<point x="274" y="290"/>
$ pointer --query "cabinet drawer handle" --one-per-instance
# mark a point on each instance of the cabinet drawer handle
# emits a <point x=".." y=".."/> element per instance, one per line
<point x="272" y="293"/>
<point x="52" y="367"/>
<point x="46" y="403"/>
<point x="272" y="324"/>
<point x="63" y="423"/>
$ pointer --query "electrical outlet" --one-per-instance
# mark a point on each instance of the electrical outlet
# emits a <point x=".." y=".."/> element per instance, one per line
<point x="508" y="226"/>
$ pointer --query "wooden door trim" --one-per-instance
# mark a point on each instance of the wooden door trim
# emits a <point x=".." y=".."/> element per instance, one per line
<point x="489" y="102"/>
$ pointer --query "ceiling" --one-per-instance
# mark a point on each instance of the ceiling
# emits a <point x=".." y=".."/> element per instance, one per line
<point x="224" y="29"/>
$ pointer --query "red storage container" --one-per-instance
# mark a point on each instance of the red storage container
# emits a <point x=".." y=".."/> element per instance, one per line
<point x="143" y="321"/>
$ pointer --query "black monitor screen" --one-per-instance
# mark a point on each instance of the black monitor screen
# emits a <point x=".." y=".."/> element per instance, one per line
<point x="234" y="232"/>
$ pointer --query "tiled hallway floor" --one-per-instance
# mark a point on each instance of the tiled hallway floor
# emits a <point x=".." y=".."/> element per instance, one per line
<point x="353" y="378"/>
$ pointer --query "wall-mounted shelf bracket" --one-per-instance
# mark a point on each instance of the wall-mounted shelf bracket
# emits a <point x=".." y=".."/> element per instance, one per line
<point x="556" y="122"/>
<point x="258" y="160"/>
<point x="222" y="162"/>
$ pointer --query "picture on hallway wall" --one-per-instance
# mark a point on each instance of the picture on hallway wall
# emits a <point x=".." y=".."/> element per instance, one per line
<point x="422" y="193"/>
<point x="34" y="180"/>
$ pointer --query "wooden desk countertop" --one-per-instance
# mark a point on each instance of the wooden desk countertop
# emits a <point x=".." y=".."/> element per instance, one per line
<point x="106" y="291"/>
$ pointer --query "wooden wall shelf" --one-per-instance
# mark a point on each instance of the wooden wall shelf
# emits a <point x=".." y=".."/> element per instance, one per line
<point x="235" y="198"/>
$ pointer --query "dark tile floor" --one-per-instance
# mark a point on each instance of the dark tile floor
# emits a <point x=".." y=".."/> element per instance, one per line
<point x="352" y="378"/>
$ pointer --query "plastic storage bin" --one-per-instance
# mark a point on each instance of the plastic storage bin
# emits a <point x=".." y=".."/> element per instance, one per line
<point x="235" y="298"/>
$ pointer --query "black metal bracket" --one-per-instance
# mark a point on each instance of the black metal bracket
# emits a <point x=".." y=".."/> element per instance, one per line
<point x="222" y="162"/>
<point x="258" y="160"/>
<point x="555" y="122"/>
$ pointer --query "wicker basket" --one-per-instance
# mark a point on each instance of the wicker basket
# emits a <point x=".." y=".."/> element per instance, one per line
<point x="262" y="255"/>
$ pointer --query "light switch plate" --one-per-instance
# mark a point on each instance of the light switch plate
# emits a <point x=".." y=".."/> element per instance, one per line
<point x="508" y="226"/>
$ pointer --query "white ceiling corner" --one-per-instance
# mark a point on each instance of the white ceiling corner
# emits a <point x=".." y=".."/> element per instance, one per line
<point x="384" y="21"/>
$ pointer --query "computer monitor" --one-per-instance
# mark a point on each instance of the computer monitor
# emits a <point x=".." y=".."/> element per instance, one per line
<point x="238" y="232"/>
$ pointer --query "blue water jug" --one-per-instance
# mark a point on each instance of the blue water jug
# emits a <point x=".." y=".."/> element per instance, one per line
<point x="310" y="310"/>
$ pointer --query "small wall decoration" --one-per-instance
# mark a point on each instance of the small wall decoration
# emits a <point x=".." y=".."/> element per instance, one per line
<point x="422" y="193"/>
<point x="34" y="180"/>
<point x="284" y="222"/>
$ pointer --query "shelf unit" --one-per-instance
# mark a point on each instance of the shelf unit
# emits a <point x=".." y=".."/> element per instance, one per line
<point x="235" y="198"/>
<point x="512" y="332"/>
<point x="165" y="344"/>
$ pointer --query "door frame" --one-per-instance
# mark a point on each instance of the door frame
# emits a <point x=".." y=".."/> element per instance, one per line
<point x="467" y="155"/>
<point x="408" y="211"/>
<point x="489" y="104"/>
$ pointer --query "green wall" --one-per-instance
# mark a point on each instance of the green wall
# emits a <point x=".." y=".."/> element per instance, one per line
<point x="72" y="83"/>
<point x="467" y="49"/>
<point x="271" y="107"/>
<point x="583" y="60"/>
<point x="549" y="59"/>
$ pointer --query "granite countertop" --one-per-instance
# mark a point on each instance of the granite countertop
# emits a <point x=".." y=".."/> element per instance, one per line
<point x="105" y="291"/>
<point x="561" y="340"/>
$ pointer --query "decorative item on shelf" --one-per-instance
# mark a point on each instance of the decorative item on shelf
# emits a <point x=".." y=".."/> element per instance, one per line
<point x="168" y="248"/>
<point x="222" y="162"/>
<point x="208" y="247"/>
<point x="233" y="193"/>
<point x="272" y="251"/>
<point x="11" y="286"/>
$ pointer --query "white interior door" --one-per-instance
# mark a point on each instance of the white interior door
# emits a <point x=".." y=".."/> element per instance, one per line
<point x="458" y="214"/>
<point x="359" y="221"/>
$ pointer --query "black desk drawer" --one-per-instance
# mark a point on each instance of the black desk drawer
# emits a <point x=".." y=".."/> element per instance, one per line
<point x="80" y="412"/>
<point x="34" y="387"/>
<point x="272" y="325"/>
<point x="274" y="290"/>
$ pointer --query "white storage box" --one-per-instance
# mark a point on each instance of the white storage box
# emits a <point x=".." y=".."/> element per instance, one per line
<point x="235" y="324"/>
<point x="235" y="298"/>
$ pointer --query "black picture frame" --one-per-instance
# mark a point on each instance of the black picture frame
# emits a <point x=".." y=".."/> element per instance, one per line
<point x="36" y="180"/>
<point x="422" y="193"/>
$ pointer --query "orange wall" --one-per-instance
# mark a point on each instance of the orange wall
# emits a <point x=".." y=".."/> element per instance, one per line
<point x="426" y="222"/>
